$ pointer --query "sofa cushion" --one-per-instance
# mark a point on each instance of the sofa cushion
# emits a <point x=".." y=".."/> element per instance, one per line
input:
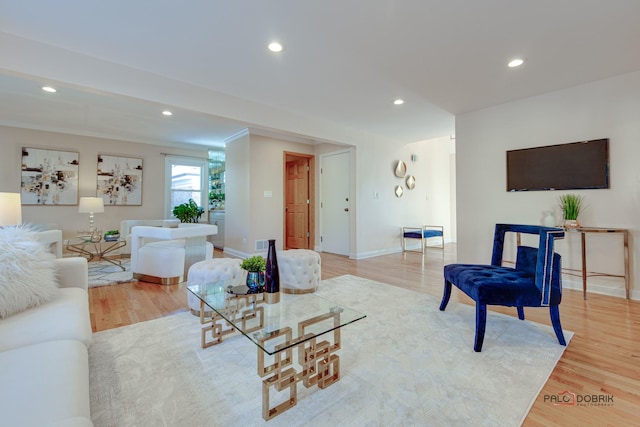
<point x="45" y="384"/>
<point x="27" y="271"/>
<point x="65" y="317"/>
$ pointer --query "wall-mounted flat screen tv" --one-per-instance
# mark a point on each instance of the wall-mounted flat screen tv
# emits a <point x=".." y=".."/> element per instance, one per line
<point x="577" y="165"/>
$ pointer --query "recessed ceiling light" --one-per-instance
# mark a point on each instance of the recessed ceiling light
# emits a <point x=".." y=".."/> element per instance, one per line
<point x="398" y="101"/>
<point x="49" y="89"/>
<point x="515" y="62"/>
<point x="167" y="113"/>
<point x="275" y="47"/>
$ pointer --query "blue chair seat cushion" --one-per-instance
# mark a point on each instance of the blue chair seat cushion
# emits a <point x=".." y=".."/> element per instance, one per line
<point x="425" y="234"/>
<point x="493" y="285"/>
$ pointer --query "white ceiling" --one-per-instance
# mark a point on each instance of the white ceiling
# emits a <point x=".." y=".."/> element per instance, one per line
<point x="344" y="63"/>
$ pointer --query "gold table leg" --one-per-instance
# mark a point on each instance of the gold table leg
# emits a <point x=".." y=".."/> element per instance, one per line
<point x="319" y="365"/>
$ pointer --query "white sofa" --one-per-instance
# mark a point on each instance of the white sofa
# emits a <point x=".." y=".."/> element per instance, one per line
<point x="44" y="368"/>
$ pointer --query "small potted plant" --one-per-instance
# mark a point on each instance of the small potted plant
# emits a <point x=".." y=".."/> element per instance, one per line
<point x="111" y="235"/>
<point x="571" y="204"/>
<point x="188" y="212"/>
<point x="255" y="267"/>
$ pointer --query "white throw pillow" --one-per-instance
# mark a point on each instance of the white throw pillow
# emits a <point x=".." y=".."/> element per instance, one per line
<point x="27" y="271"/>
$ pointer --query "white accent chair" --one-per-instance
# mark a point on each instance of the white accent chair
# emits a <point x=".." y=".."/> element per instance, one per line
<point x="167" y="259"/>
<point x="128" y="224"/>
<point x="52" y="239"/>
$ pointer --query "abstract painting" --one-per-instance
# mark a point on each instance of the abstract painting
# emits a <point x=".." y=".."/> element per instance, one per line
<point x="119" y="180"/>
<point x="49" y="177"/>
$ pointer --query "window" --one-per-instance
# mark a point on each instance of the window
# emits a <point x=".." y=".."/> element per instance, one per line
<point x="185" y="179"/>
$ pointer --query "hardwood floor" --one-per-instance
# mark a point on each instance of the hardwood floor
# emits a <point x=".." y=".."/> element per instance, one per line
<point x="602" y="359"/>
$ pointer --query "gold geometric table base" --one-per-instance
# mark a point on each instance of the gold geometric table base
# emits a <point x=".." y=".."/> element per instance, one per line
<point x="317" y="360"/>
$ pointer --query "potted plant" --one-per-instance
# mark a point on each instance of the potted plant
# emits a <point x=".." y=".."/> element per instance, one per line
<point x="111" y="235"/>
<point x="255" y="267"/>
<point x="571" y="204"/>
<point x="188" y="212"/>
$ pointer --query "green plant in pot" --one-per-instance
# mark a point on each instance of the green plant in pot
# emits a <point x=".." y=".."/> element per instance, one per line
<point x="571" y="205"/>
<point x="188" y="212"/>
<point x="111" y="235"/>
<point x="255" y="267"/>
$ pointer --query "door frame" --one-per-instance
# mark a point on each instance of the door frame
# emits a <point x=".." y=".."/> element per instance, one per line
<point x="290" y="155"/>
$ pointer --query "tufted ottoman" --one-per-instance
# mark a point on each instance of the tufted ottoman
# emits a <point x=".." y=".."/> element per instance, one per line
<point x="299" y="271"/>
<point x="211" y="270"/>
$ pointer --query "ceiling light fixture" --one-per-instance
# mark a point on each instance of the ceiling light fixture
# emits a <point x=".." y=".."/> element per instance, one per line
<point x="275" y="47"/>
<point x="167" y="113"/>
<point x="49" y="89"/>
<point x="515" y="62"/>
<point x="398" y="101"/>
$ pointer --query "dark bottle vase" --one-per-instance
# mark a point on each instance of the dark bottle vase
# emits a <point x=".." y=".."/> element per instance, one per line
<point x="272" y="276"/>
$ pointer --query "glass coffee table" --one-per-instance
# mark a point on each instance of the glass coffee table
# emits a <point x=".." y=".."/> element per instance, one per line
<point x="303" y="323"/>
<point x="97" y="250"/>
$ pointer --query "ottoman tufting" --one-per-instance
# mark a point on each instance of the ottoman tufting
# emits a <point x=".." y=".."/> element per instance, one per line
<point x="299" y="271"/>
<point x="211" y="270"/>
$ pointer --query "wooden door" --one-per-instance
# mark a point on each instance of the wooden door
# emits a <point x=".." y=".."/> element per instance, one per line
<point x="297" y="203"/>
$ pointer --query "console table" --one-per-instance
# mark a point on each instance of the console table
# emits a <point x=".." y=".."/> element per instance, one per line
<point x="583" y="247"/>
<point x="583" y="252"/>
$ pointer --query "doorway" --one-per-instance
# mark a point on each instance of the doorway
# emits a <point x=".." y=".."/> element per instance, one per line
<point x="335" y="204"/>
<point x="299" y="218"/>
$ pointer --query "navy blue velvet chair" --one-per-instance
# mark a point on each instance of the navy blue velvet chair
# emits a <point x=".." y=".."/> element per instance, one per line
<point x="534" y="282"/>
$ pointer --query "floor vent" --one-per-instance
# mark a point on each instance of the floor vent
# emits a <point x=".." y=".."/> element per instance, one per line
<point x="262" y="245"/>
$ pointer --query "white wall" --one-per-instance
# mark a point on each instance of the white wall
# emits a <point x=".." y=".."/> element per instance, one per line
<point x="255" y="165"/>
<point x="67" y="217"/>
<point x="379" y="220"/>
<point x="237" y="195"/>
<point x="251" y="216"/>
<point x="605" y="109"/>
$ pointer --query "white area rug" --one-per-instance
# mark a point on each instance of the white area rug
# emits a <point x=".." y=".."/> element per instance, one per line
<point x="102" y="273"/>
<point x="406" y="364"/>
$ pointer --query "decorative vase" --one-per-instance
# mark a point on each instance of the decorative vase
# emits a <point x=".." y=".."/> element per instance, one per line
<point x="571" y="223"/>
<point x="549" y="219"/>
<point x="272" y="276"/>
<point x="255" y="279"/>
<point x="96" y="236"/>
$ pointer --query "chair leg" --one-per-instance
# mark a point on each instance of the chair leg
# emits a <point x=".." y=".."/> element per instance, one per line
<point x="521" y="313"/>
<point x="554" y="310"/>
<point x="446" y="295"/>
<point x="481" y="321"/>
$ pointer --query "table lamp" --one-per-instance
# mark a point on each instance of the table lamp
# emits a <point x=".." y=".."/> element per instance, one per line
<point x="91" y="205"/>
<point x="10" y="209"/>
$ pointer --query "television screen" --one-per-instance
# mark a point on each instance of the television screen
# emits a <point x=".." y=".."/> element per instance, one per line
<point x="578" y="165"/>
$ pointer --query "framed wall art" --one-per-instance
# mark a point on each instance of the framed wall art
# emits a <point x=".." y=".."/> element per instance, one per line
<point x="120" y="180"/>
<point x="49" y="177"/>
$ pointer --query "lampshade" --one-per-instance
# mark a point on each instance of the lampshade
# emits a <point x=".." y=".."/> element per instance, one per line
<point x="91" y="205"/>
<point x="10" y="209"/>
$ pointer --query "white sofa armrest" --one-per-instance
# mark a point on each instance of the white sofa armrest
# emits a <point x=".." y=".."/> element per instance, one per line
<point x="73" y="273"/>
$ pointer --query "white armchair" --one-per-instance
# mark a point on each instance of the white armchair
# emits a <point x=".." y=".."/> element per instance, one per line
<point x="128" y="224"/>
<point x="167" y="259"/>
